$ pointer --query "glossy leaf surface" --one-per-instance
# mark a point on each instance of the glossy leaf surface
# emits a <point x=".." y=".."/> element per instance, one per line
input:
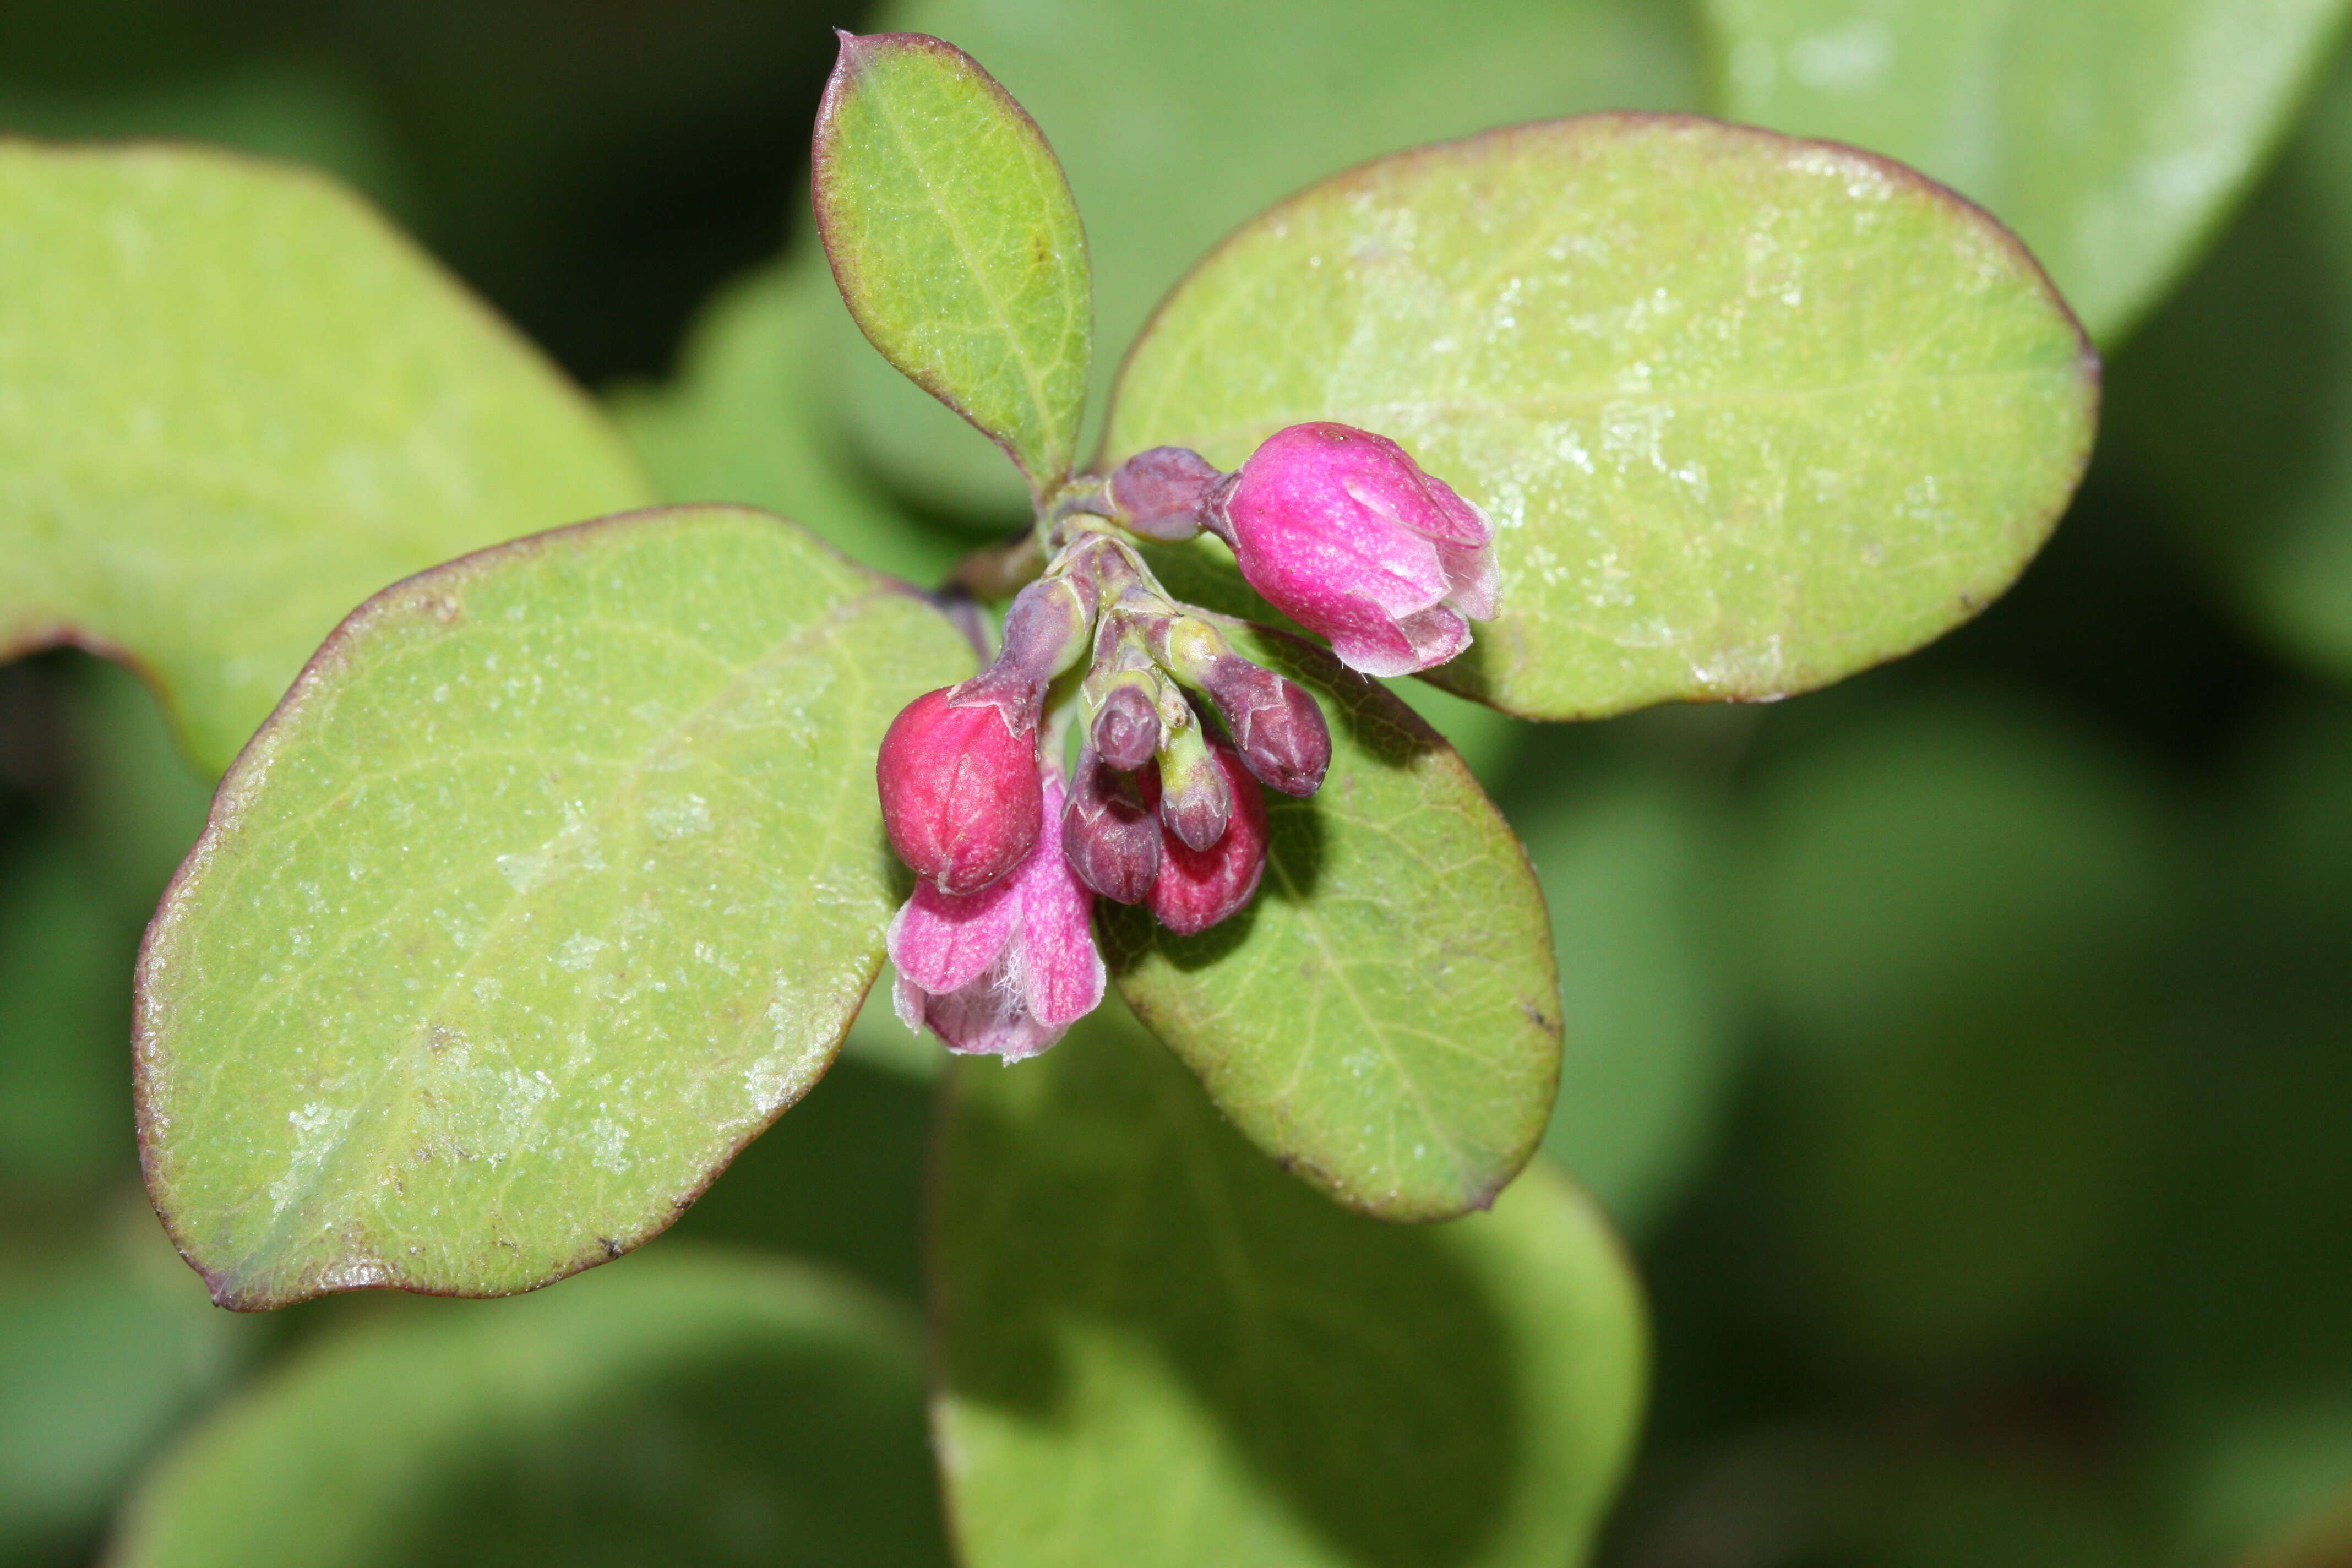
<point x="1177" y="122"/>
<point x="689" y="1408"/>
<point x="1156" y="1348"/>
<point x="233" y="403"/>
<point x="1383" y="1019"/>
<point x="956" y="242"/>
<point x="2111" y="134"/>
<point x="558" y="876"/>
<point x="1748" y="413"/>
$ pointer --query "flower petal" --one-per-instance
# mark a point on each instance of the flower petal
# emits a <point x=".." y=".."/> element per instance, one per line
<point x="942" y="942"/>
<point x="1476" y="578"/>
<point x="1061" y="974"/>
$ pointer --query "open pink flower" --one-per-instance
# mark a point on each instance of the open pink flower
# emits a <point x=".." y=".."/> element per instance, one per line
<point x="1006" y="971"/>
<point x="1342" y="532"/>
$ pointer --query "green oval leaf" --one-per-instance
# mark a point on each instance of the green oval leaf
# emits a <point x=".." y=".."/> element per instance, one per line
<point x="233" y="403"/>
<point x="1385" y="1017"/>
<point x="1176" y="123"/>
<point x="689" y="1408"/>
<point x="1155" y="1348"/>
<point x="956" y="243"/>
<point x="558" y="876"/>
<point x="2111" y="134"/>
<point x="1749" y="414"/>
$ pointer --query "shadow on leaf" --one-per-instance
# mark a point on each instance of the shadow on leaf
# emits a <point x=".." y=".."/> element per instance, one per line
<point x="1099" y="1234"/>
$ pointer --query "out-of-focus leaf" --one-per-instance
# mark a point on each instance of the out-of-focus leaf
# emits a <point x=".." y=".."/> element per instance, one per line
<point x="1748" y="413"/>
<point x="2111" y="134"/>
<point x="686" y="1408"/>
<point x="234" y="402"/>
<point x="957" y="246"/>
<point x="2270" y="1486"/>
<point x="305" y="114"/>
<point x="1816" y="1492"/>
<point x="882" y="1041"/>
<point x="2234" y="408"/>
<point x="1156" y="1348"/>
<point x="839" y="1180"/>
<point x="1177" y="122"/>
<point x="747" y="421"/>
<point x="1648" y="1025"/>
<point x="558" y="876"/>
<point x="2323" y="1540"/>
<point x="2243" y="1302"/>
<point x="63" y="1016"/>
<point x="1956" y="915"/>
<point x="100" y="1350"/>
<point x="1488" y="740"/>
<point x="1383" y="1017"/>
<point x="137" y="804"/>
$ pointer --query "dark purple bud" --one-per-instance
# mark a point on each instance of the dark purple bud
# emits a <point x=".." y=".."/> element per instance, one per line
<point x="1126" y="727"/>
<point x="1160" y="494"/>
<point x="1277" y="727"/>
<point x="1111" y="837"/>
<point x="1195" y="801"/>
<point x="1198" y="888"/>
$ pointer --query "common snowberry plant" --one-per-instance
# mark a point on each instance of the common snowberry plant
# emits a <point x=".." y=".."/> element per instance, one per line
<point x="562" y="868"/>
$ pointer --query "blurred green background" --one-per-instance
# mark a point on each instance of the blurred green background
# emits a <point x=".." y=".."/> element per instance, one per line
<point x="1966" y="1051"/>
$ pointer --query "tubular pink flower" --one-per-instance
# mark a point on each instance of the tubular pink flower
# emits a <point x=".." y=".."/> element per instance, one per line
<point x="1006" y="971"/>
<point x="1341" y="530"/>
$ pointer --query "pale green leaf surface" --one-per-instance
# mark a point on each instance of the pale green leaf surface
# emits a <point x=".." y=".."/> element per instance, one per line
<point x="1177" y="122"/>
<point x="2260" y="480"/>
<point x="688" y="1407"/>
<point x="233" y="403"/>
<point x="956" y="243"/>
<point x="1155" y="1348"/>
<point x="1649" y="1018"/>
<point x="1748" y="413"/>
<point x="748" y="420"/>
<point x="2112" y="135"/>
<point x="558" y="876"/>
<point x="1385" y="1017"/>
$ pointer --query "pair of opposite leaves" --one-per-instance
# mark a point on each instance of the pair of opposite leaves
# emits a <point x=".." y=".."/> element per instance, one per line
<point x="558" y="874"/>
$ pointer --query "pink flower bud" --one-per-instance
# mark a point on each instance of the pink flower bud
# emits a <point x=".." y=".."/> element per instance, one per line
<point x="1163" y="493"/>
<point x="1278" y="728"/>
<point x="1341" y="530"/>
<point x="1195" y="798"/>
<point x="961" y="796"/>
<point x="1126" y="727"/>
<point x="1111" y="837"/>
<point x="1198" y="888"/>
<point x="1003" y="972"/>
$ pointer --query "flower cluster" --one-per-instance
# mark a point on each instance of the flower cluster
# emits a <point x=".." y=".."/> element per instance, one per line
<point x="1177" y="736"/>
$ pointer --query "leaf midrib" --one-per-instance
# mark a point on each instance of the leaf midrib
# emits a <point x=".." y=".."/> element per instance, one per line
<point x="980" y="278"/>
